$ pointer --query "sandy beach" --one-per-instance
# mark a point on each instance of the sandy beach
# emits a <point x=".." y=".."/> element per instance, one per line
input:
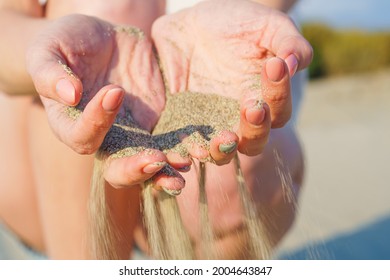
<point x="345" y="204"/>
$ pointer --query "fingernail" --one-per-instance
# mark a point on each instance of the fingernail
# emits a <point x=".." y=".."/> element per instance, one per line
<point x="184" y="168"/>
<point x="154" y="167"/>
<point x="292" y="64"/>
<point x="255" y="114"/>
<point x="112" y="99"/>
<point x="227" y="148"/>
<point x="66" y="91"/>
<point x="171" y="192"/>
<point x="275" y="69"/>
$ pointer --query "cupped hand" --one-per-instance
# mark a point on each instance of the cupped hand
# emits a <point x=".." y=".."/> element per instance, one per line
<point x="105" y="72"/>
<point x="237" y="49"/>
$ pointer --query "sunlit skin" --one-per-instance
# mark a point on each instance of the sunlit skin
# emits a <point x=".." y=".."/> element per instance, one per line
<point x="199" y="52"/>
<point x="117" y="74"/>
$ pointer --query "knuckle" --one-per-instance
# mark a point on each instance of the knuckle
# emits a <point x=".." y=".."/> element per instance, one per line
<point x="251" y="151"/>
<point x="280" y="121"/>
<point x="253" y="146"/>
<point x="84" y="148"/>
<point x="98" y="125"/>
<point x="256" y="136"/>
<point x="279" y="95"/>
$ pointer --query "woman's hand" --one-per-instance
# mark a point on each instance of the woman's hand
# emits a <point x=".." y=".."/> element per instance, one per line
<point x="105" y="70"/>
<point x="238" y="49"/>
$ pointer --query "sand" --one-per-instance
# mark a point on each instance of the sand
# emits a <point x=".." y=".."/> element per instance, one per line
<point x="197" y="116"/>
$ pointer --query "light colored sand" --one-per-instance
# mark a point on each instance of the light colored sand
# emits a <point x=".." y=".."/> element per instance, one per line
<point x="345" y="129"/>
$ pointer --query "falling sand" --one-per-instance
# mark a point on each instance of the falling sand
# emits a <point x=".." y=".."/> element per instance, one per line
<point x="199" y="117"/>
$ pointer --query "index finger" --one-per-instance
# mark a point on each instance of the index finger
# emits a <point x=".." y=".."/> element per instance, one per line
<point x="51" y="76"/>
<point x="289" y="44"/>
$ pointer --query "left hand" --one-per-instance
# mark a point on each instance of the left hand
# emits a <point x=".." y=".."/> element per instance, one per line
<point x="238" y="49"/>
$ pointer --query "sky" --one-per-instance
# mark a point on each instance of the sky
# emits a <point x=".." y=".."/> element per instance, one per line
<point x="362" y="14"/>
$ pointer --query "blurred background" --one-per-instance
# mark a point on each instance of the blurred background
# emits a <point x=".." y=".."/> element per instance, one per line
<point x="344" y="126"/>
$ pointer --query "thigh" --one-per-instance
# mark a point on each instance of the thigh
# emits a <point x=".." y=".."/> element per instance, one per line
<point x="62" y="180"/>
<point x="273" y="179"/>
<point x="18" y="207"/>
<point x="63" y="185"/>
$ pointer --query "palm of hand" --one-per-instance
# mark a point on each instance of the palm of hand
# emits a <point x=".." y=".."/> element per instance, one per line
<point x="112" y="55"/>
<point x="200" y="52"/>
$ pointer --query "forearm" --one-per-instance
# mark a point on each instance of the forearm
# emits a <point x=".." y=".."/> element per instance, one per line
<point x="281" y="5"/>
<point x="16" y="30"/>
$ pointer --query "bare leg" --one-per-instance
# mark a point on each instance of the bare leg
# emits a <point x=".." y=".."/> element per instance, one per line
<point x="18" y="205"/>
<point x="63" y="184"/>
<point x="268" y="190"/>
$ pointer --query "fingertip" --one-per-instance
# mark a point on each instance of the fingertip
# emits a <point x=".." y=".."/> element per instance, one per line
<point x="171" y="192"/>
<point x="66" y="91"/>
<point x="154" y="167"/>
<point x="255" y="112"/>
<point x="223" y="147"/>
<point x="113" y="99"/>
<point x="277" y="95"/>
<point x="169" y="180"/>
<point x="135" y="169"/>
<point x="275" y="69"/>
<point x="227" y="148"/>
<point x="68" y="87"/>
<point x="194" y="148"/>
<point x="254" y="128"/>
<point x="292" y="64"/>
<point x="198" y="152"/>
<point x="180" y="163"/>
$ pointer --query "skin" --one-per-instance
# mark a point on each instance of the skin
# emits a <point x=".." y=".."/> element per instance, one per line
<point x="224" y="66"/>
<point x="124" y="203"/>
<point x="58" y="220"/>
<point x="57" y="228"/>
<point x="18" y="187"/>
<point x="232" y="65"/>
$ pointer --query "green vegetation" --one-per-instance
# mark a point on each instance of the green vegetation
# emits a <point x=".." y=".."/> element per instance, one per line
<point x="346" y="51"/>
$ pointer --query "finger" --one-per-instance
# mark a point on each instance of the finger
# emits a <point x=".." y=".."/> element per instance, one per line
<point x="276" y="92"/>
<point x="52" y="77"/>
<point x="197" y="151"/>
<point x="97" y="118"/>
<point x="182" y="164"/>
<point x="169" y="180"/>
<point x="134" y="170"/>
<point x="223" y="147"/>
<point x="291" y="46"/>
<point x="84" y="133"/>
<point x="255" y="125"/>
<point x="194" y="147"/>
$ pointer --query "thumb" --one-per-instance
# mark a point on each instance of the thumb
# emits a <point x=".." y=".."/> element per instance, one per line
<point x="276" y="91"/>
<point x="96" y="120"/>
<point x="289" y="44"/>
<point x="296" y="52"/>
<point x="84" y="132"/>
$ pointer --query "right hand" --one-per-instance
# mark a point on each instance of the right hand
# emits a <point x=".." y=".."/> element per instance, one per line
<point x="84" y="59"/>
<point x="238" y="49"/>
